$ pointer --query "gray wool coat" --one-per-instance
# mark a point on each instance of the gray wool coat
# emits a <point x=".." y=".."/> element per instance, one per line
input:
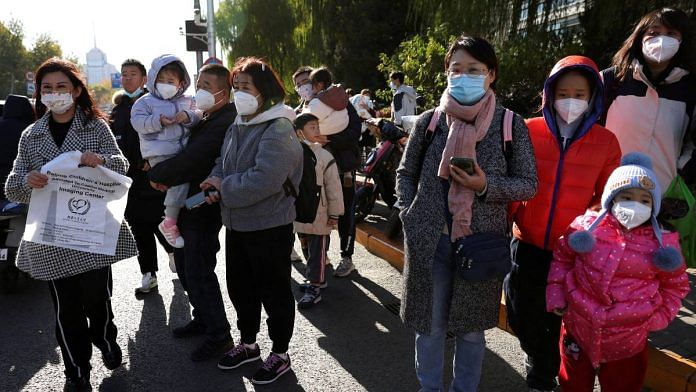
<point x="474" y="306"/>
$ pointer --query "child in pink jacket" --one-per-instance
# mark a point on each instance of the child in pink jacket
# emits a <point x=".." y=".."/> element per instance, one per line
<point x="615" y="277"/>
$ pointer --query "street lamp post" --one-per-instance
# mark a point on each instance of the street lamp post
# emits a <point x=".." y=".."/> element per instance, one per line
<point x="211" y="29"/>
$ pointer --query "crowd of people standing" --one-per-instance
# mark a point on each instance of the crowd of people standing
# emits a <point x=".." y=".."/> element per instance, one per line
<point x="593" y="269"/>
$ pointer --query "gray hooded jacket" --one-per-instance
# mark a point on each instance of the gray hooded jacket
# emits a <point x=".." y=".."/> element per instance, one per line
<point x="157" y="140"/>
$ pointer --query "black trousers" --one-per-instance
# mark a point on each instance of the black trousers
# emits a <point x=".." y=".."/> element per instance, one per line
<point x="346" y="222"/>
<point x="258" y="273"/>
<point x="538" y="330"/>
<point x="82" y="305"/>
<point x="195" y="266"/>
<point x="144" y="234"/>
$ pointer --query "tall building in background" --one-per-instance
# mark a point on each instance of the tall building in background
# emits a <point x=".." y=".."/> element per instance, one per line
<point x="98" y="69"/>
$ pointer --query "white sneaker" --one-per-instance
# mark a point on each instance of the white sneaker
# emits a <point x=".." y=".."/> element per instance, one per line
<point x="345" y="267"/>
<point x="294" y="256"/>
<point x="148" y="283"/>
<point x="172" y="263"/>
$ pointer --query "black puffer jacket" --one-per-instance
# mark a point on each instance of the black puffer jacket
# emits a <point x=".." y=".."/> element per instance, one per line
<point x="17" y="115"/>
<point x="145" y="204"/>
<point x="345" y="145"/>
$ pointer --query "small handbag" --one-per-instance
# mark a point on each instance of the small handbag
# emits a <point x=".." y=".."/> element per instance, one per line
<point x="482" y="256"/>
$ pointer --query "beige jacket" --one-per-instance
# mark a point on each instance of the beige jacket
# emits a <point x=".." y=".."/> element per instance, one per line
<point x="331" y="203"/>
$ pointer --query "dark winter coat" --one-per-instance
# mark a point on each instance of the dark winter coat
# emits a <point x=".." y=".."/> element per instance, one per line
<point x="194" y="163"/>
<point x="17" y="115"/>
<point x="145" y="204"/>
<point x="474" y="306"/>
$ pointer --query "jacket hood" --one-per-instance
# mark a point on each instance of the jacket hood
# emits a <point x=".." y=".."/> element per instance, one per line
<point x="596" y="102"/>
<point x="279" y="110"/>
<point x="18" y="107"/>
<point x="408" y="90"/>
<point x="334" y="97"/>
<point x="157" y="65"/>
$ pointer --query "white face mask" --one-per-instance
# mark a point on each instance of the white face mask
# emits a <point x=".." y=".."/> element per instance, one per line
<point x="660" y="48"/>
<point x="205" y="100"/>
<point x="305" y="91"/>
<point x="246" y="103"/>
<point x="58" y="103"/>
<point x="392" y="85"/>
<point x="570" y="109"/>
<point x="630" y="213"/>
<point x="166" y="91"/>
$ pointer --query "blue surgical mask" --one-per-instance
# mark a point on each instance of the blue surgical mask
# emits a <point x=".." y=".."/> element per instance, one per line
<point x="134" y="94"/>
<point x="466" y="89"/>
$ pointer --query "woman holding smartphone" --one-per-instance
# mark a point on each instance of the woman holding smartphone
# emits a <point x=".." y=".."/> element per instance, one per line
<point x="441" y="203"/>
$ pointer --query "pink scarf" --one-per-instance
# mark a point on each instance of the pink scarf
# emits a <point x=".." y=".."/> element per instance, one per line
<point x="467" y="126"/>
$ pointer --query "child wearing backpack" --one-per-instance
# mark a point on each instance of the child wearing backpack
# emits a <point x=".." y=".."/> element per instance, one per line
<point x="616" y="276"/>
<point x="316" y="234"/>
<point x="574" y="158"/>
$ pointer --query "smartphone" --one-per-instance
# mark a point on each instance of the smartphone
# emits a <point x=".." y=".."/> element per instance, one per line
<point x="466" y="164"/>
<point x="198" y="199"/>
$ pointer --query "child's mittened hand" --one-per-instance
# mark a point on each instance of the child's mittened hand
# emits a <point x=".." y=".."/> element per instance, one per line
<point x="559" y="311"/>
<point x="166" y="121"/>
<point x="181" y="117"/>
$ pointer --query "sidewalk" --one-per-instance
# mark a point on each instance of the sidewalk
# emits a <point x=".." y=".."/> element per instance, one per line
<point x="672" y="352"/>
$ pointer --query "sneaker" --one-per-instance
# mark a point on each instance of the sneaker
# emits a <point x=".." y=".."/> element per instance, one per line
<point x="193" y="328"/>
<point x="294" y="257"/>
<point x="312" y="296"/>
<point x="306" y="284"/>
<point x="148" y="283"/>
<point x="112" y="359"/>
<point x="80" y="384"/>
<point x="211" y="349"/>
<point x="272" y="368"/>
<point x="172" y="263"/>
<point x="170" y="231"/>
<point x="238" y="356"/>
<point x="345" y="267"/>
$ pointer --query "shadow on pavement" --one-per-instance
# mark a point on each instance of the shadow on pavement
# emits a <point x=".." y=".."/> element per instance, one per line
<point x="376" y="348"/>
<point x="27" y="334"/>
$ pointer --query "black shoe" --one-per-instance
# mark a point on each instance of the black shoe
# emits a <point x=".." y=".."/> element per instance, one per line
<point x="193" y="328"/>
<point x="211" y="349"/>
<point x="77" y="385"/>
<point x="238" y="356"/>
<point x="272" y="369"/>
<point x="112" y="359"/>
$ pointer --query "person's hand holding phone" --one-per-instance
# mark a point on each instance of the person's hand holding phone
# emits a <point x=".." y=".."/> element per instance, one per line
<point x="212" y="183"/>
<point x="476" y="182"/>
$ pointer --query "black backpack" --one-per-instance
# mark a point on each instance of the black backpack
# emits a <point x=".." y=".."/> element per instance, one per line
<point x="309" y="195"/>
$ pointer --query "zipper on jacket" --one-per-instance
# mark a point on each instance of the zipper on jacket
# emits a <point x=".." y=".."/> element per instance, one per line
<point x="554" y="197"/>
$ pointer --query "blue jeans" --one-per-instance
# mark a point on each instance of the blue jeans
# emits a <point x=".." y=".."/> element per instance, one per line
<point x="430" y="349"/>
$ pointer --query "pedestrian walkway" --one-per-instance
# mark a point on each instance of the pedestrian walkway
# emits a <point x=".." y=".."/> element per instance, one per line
<point x="672" y="356"/>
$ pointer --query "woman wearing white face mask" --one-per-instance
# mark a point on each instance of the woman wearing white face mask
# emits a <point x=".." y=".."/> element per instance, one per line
<point x="260" y="158"/>
<point x="574" y="158"/>
<point x="651" y="105"/>
<point x="80" y="282"/>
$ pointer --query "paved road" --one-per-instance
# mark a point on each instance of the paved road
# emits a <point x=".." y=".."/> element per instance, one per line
<point x="350" y="342"/>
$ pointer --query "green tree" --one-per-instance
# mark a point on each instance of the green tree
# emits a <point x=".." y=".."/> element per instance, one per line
<point x="421" y="58"/>
<point x="13" y="59"/>
<point x="44" y="48"/>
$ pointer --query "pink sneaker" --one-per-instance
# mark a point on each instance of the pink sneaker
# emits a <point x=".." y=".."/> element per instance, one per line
<point x="170" y="231"/>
